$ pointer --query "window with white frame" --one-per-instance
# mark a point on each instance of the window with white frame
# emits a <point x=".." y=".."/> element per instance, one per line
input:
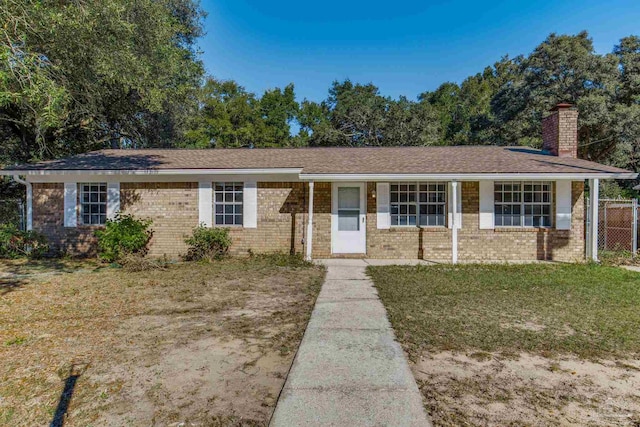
<point x="93" y="203"/>
<point x="418" y="204"/>
<point x="228" y="203"/>
<point x="522" y="203"/>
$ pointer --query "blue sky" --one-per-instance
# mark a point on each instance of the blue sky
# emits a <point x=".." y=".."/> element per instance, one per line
<point x="404" y="47"/>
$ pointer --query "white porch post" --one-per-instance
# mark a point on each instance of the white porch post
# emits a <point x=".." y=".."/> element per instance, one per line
<point x="310" y="223"/>
<point x="29" y="207"/>
<point x="594" y="196"/>
<point x="454" y="225"/>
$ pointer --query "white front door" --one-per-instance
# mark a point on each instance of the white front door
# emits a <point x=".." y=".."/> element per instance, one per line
<point x="348" y="218"/>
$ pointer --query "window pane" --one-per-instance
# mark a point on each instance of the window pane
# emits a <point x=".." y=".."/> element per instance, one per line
<point x="348" y="197"/>
<point x="348" y="220"/>
<point x="238" y="220"/>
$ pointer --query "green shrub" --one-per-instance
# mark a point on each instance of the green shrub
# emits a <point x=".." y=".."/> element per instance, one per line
<point x="15" y="243"/>
<point x="122" y="236"/>
<point x="207" y="244"/>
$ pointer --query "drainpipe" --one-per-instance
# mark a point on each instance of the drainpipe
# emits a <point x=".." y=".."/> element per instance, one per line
<point x="310" y="223"/>
<point x="29" y="188"/>
<point x="454" y="224"/>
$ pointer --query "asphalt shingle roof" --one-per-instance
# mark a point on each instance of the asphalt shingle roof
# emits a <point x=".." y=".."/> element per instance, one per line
<point x="332" y="160"/>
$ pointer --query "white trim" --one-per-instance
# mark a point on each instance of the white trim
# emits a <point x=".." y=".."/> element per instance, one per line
<point x="362" y="217"/>
<point x="454" y="225"/>
<point x="594" y="195"/>
<point x="29" y="195"/>
<point x="310" y="224"/>
<point x="205" y="203"/>
<point x="468" y="177"/>
<point x="486" y="214"/>
<point x="154" y="172"/>
<point x="383" y="206"/>
<point x="113" y="199"/>
<point x="71" y="204"/>
<point x="250" y="205"/>
<point x="164" y="178"/>
<point x="563" y="205"/>
<point x="323" y="177"/>
<point x="451" y="197"/>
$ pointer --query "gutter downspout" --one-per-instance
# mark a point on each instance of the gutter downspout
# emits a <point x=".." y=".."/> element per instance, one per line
<point x="29" y="188"/>
<point x="454" y="223"/>
<point x="308" y="256"/>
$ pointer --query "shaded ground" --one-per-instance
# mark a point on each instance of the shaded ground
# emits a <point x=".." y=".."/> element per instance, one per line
<point x="200" y="344"/>
<point x="520" y="345"/>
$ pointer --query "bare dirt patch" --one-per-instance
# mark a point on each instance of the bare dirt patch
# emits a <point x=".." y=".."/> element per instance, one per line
<point x="197" y="344"/>
<point x="463" y="389"/>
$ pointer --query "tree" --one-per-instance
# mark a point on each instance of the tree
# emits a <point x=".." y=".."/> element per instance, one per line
<point x="561" y="69"/>
<point x="82" y="75"/>
<point x="278" y="109"/>
<point x="357" y="115"/>
<point x="230" y="117"/>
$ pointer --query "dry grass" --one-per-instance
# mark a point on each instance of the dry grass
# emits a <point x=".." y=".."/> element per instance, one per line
<point x="208" y="344"/>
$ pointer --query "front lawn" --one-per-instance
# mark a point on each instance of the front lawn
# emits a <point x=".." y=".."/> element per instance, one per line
<point x="527" y="344"/>
<point x="200" y="344"/>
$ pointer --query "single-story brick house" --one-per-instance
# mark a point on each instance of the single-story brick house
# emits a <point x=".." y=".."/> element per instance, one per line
<point x="463" y="203"/>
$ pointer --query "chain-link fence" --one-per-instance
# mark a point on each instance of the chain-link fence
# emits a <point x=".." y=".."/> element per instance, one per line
<point x="618" y="230"/>
<point x="12" y="211"/>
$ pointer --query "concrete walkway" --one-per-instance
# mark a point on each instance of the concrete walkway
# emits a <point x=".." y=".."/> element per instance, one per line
<point x="349" y="370"/>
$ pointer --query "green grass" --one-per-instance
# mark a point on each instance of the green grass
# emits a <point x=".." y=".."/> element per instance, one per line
<point x="586" y="310"/>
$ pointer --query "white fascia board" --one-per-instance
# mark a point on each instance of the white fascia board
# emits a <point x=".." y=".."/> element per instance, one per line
<point x="240" y="177"/>
<point x="467" y="177"/>
<point x="155" y="172"/>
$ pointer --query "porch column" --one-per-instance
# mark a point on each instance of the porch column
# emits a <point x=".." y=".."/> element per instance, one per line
<point x="594" y="198"/>
<point x="454" y="223"/>
<point x="310" y="223"/>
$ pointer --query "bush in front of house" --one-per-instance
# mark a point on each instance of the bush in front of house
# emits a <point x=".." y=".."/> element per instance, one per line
<point x="16" y="243"/>
<point x="207" y="244"/>
<point x="123" y="235"/>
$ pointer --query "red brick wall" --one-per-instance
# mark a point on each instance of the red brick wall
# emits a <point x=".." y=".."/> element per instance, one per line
<point x="560" y="132"/>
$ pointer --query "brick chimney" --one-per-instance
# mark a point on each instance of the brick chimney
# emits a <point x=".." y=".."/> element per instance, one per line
<point x="560" y="131"/>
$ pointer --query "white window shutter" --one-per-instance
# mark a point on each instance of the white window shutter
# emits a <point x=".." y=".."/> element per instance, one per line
<point x="205" y="203"/>
<point x="383" y="208"/>
<point x="113" y="199"/>
<point x="458" y="206"/>
<point x="563" y="205"/>
<point x="250" y="198"/>
<point x="486" y="205"/>
<point x="70" y="204"/>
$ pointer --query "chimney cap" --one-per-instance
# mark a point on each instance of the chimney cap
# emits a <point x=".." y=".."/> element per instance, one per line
<point x="562" y="106"/>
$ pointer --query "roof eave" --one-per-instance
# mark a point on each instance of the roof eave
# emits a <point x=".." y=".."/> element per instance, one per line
<point x="153" y="172"/>
<point x="467" y="176"/>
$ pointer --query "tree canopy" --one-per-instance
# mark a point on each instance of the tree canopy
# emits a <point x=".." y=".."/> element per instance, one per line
<point x="81" y="75"/>
<point x="77" y="76"/>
